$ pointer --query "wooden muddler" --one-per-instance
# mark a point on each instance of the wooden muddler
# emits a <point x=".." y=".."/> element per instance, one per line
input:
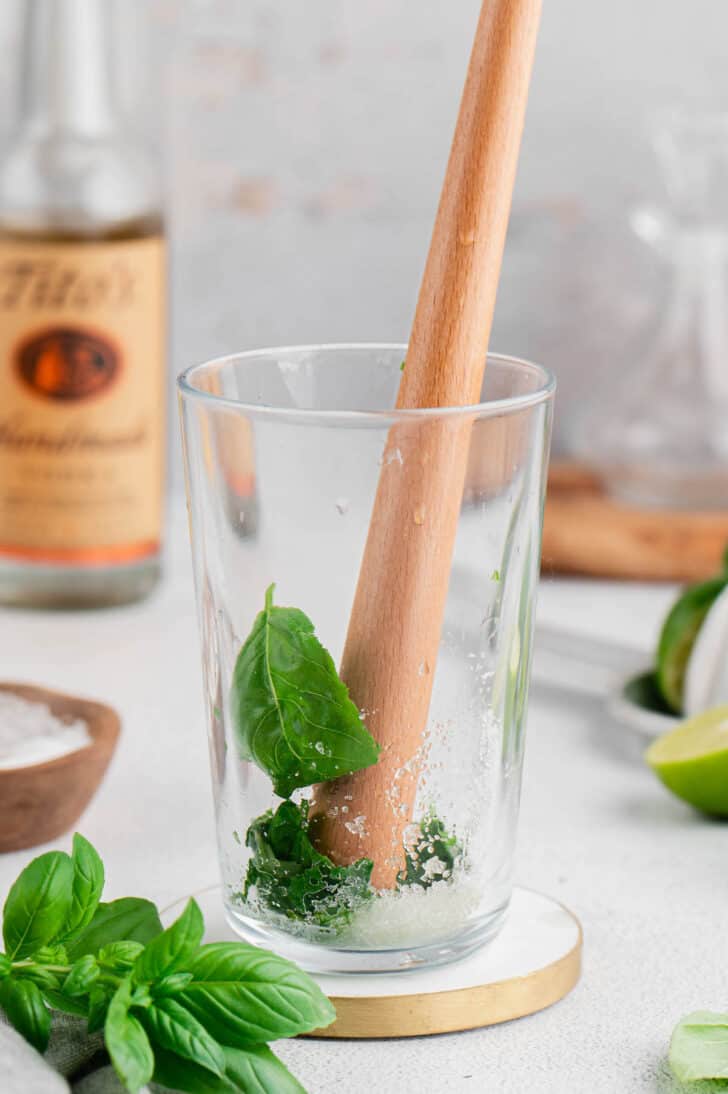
<point x="394" y="633"/>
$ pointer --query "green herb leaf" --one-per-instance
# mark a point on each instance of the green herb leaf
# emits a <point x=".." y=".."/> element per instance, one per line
<point x="119" y="956"/>
<point x="699" y="1047"/>
<point x="38" y="904"/>
<point x="241" y="993"/>
<point x="170" y="985"/>
<point x="170" y="951"/>
<point x="54" y="954"/>
<point x="23" y="1004"/>
<point x="5" y="966"/>
<point x="171" y="1026"/>
<point x="251" y="1069"/>
<point x="255" y="1070"/>
<point x="293" y="716"/>
<point x="127" y="1043"/>
<point x="83" y="974"/>
<point x="141" y="996"/>
<point x="58" y="1001"/>
<point x="40" y="976"/>
<point x="128" y="919"/>
<point x="98" y="1007"/>
<point x="434" y="855"/>
<point x="87" y="886"/>
<point x="176" y="1074"/>
<point x="287" y="875"/>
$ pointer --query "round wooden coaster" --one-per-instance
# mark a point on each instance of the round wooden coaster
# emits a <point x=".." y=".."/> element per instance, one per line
<point x="531" y="964"/>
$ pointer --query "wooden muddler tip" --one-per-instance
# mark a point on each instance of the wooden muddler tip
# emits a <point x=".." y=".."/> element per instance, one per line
<point x="394" y="633"/>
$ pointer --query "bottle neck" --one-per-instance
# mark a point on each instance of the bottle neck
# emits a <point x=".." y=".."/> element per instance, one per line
<point x="67" y="63"/>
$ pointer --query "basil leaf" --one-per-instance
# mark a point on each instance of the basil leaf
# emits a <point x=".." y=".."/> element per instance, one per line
<point x="119" y="956"/>
<point x="170" y="985"/>
<point x="5" y="966"/>
<point x="127" y="1043"/>
<point x="58" y="1001"/>
<point x="172" y="1027"/>
<point x="141" y="996"/>
<point x="251" y="1069"/>
<point x="292" y="714"/>
<point x="54" y="954"/>
<point x="98" y="1007"/>
<point x="23" y="1004"/>
<point x="241" y="993"/>
<point x="38" y="904"/>
<point x="255" y="1070"/>
<point x="176" y="1074"/>
<point x="40" y="976"/>
<point x="83" y="974"/>
<point x="699" y="1047"/>
<point x="287" y="875"/>
<point x="128" y="919"/>
<point x="87" y="886"/>
<point x="170" y="951"/>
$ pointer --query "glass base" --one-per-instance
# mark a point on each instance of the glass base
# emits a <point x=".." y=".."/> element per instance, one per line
<point x="26" y="585"/>
<point x="328" y="959"/>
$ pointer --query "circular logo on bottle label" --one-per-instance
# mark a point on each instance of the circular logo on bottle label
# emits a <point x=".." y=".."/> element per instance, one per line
<point x="68" y="363"/>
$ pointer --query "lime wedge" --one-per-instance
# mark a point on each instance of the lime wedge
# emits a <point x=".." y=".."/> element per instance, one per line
<point x="679" y="632"/>
<point x="692" y="761"/>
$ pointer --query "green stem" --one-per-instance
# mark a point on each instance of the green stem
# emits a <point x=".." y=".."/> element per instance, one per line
<point x="106" y="977"/>
<point x="29" y="964"/>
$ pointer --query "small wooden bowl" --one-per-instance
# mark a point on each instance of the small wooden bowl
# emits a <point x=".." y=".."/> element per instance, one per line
<point x="40" y="802"/>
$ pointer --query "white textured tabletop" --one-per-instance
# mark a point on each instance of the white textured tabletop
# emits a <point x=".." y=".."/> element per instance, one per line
<point x="645" y="875"/>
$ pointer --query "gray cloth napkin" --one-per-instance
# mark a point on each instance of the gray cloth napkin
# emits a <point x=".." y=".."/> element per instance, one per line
<point x="74" y="1062"/>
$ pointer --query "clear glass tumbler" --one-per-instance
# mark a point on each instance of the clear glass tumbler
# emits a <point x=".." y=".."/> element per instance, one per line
<point x="310" y="430"/>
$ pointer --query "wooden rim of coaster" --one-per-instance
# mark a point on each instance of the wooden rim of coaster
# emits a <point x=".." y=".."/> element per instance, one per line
<point x="423" y="1014"/>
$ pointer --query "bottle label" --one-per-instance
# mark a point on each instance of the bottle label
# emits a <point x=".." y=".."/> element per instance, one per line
<point x="82" y="397"/>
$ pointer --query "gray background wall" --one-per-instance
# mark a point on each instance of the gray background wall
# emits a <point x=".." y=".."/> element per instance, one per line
<point x="305" y="146"/>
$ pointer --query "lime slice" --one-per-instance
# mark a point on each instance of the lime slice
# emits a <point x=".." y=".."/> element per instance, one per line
<point x="692" y="761"/>
<point x="679" y="632"/>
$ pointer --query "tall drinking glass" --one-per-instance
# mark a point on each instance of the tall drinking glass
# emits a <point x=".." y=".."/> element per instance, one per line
<point x="307" y="430"/>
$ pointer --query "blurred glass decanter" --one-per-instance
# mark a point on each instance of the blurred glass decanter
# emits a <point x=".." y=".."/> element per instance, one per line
<point x="660" y="437"/>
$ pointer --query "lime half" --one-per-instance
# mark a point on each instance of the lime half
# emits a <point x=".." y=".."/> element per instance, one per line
<point x="692" y="761"/>
<point x="677" y="639"/>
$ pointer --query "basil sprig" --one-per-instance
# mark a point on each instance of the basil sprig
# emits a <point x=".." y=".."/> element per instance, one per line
<point x="192" y="1017"/>
<point x="292" y="713"/>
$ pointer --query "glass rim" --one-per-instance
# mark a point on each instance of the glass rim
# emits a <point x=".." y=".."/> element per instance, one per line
<point x="489" y="409"/>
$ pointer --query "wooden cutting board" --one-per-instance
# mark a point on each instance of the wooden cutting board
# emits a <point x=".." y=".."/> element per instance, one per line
<point x="588" y="533"/>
